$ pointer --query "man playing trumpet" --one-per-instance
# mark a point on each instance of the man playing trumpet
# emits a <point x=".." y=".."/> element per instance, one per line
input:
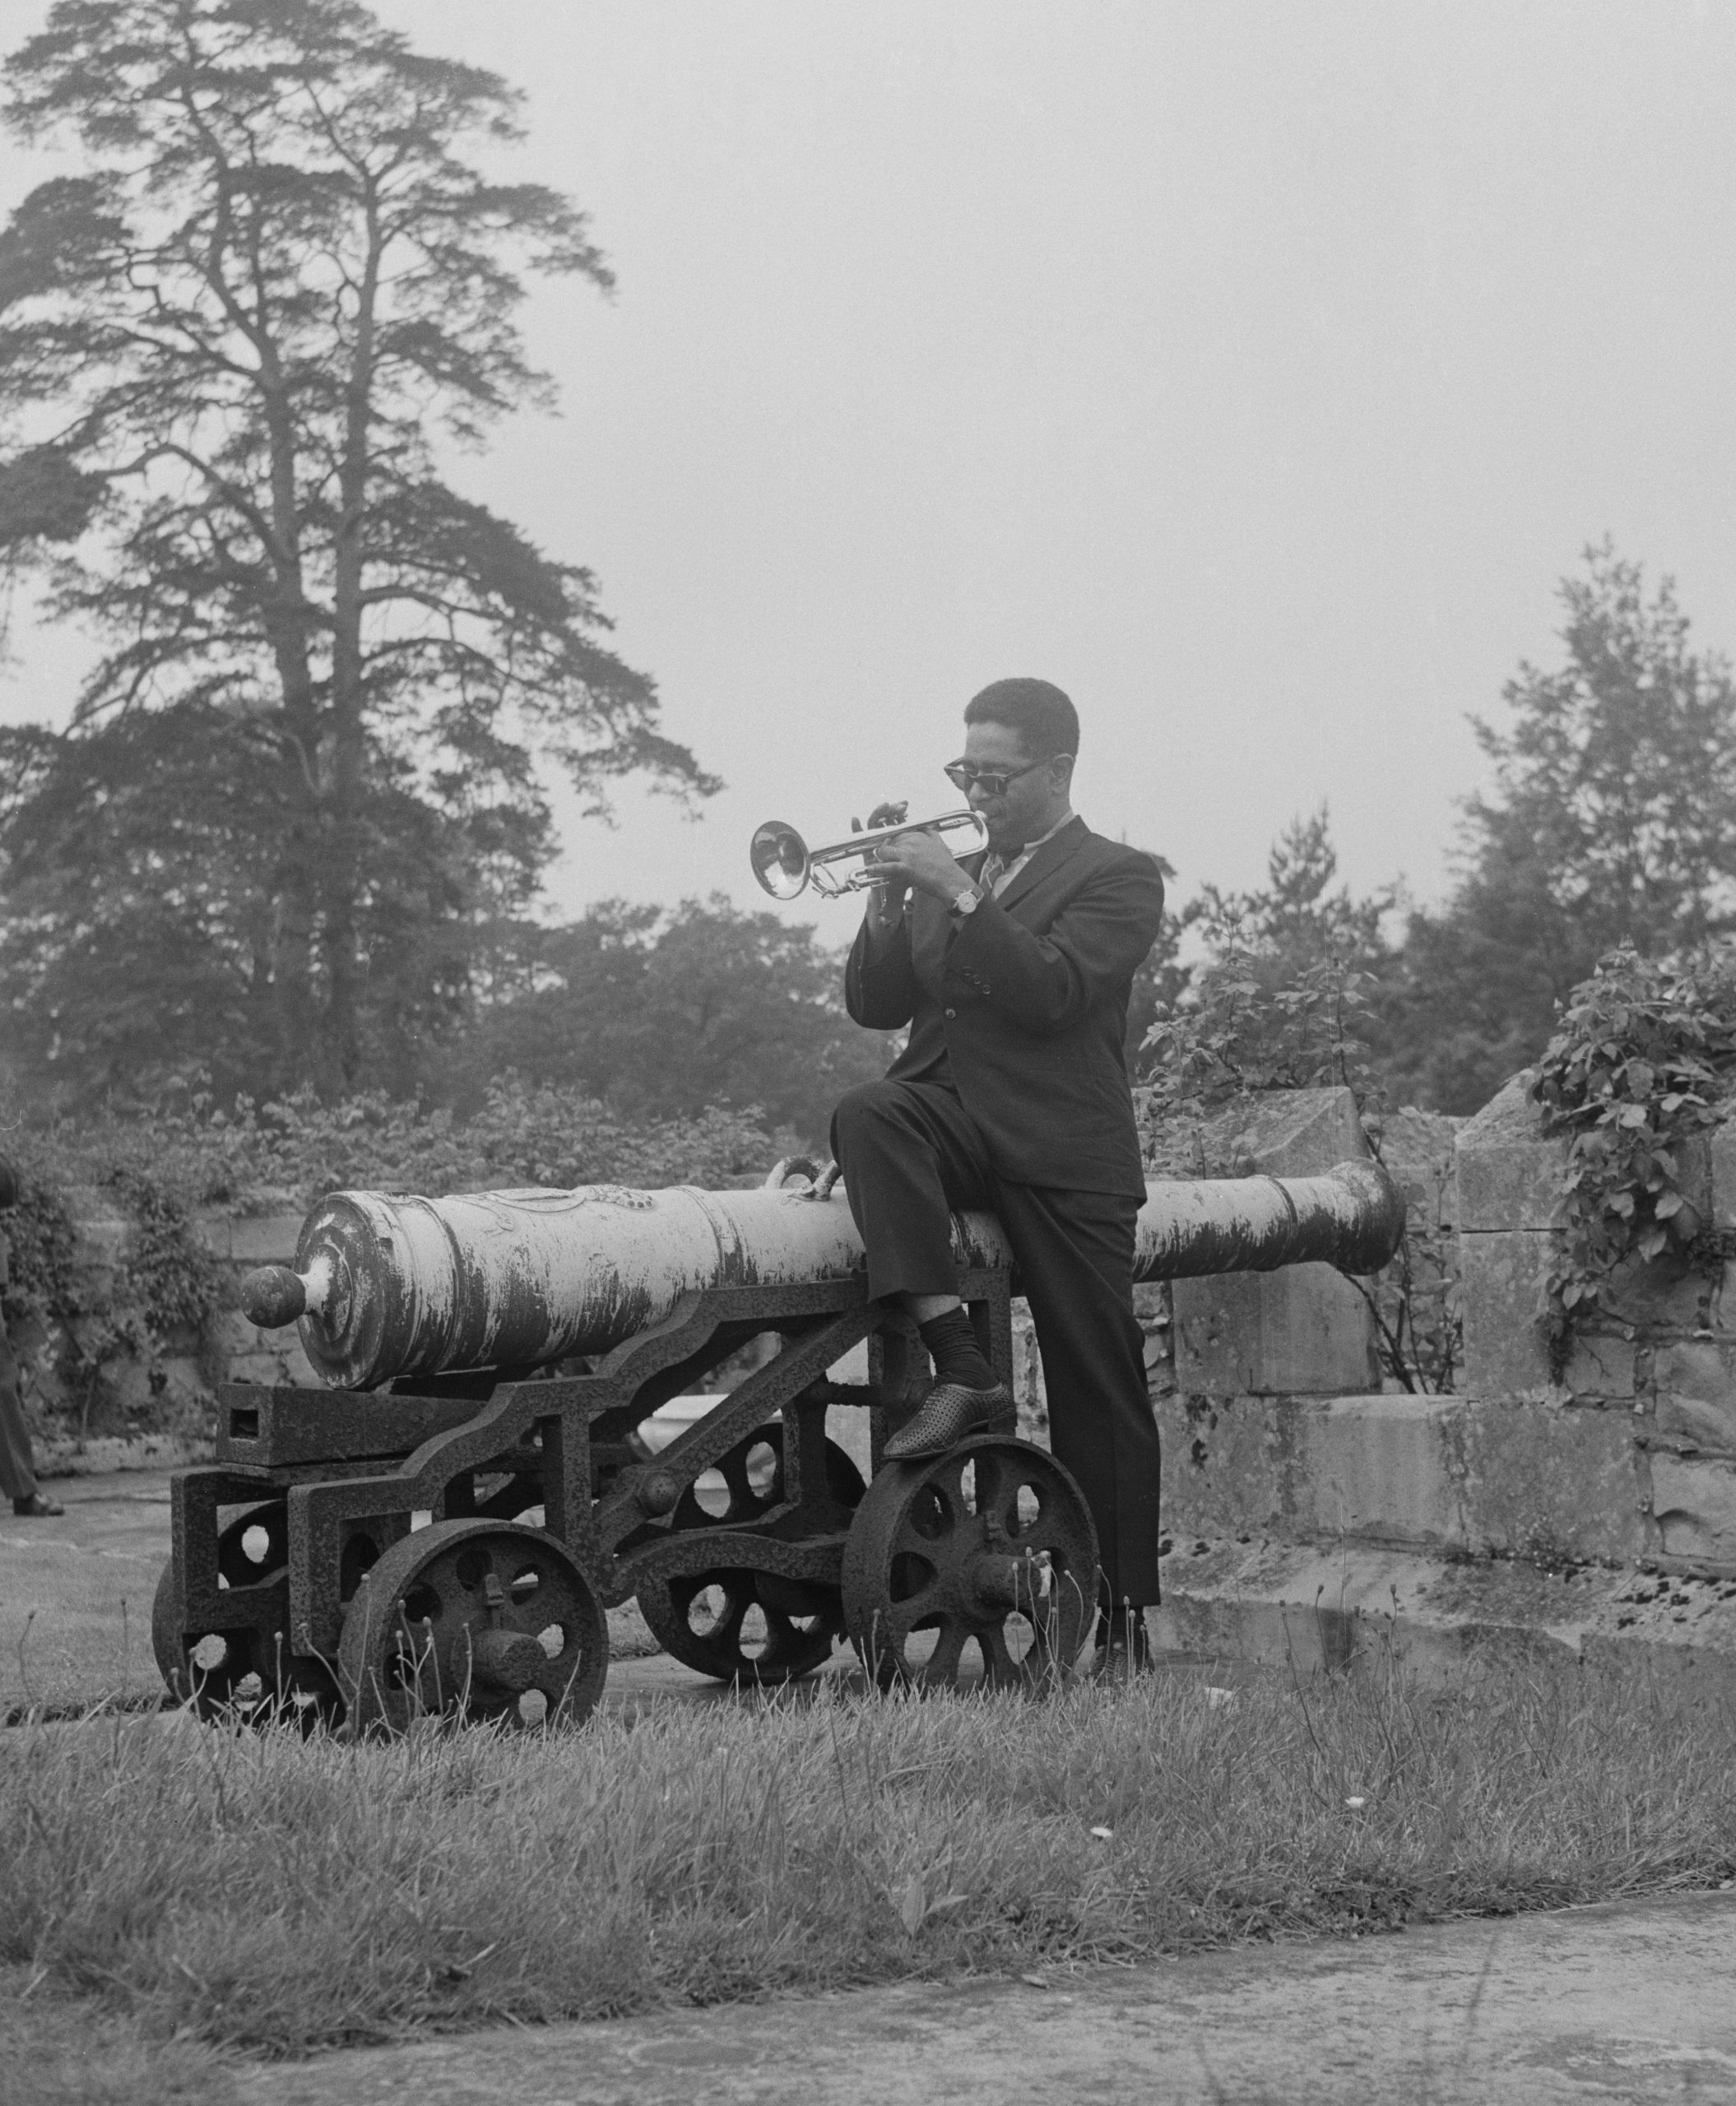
<point x="1013" y="969"/>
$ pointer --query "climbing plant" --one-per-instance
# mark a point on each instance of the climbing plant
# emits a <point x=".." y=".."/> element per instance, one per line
<point x="1633" y="1074"/>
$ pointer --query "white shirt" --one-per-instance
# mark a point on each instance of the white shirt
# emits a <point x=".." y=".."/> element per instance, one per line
<point x="1028" y="851"/>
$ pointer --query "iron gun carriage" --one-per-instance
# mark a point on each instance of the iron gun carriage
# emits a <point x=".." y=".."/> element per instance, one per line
<point x="444" y="1525"/>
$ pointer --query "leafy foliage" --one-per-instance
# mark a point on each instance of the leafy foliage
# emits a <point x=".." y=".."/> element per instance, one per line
<point x="1633" y="1074"/>
<point x="1240" y="1033"/>
<point x="664" y="1016"/>
<point x="99" y="1346"/>
<point x="288" y="1153"/>
<point x="229" y="347"/>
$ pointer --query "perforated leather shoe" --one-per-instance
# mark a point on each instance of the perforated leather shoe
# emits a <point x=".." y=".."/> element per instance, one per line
<point x="944" y="1416"/>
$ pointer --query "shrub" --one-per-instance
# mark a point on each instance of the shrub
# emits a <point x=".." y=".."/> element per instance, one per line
<point x="97" y="1345"/>
<point x="1643" y="1055"/>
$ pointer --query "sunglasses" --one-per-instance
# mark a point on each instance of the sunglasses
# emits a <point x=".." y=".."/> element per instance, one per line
<point x="991" y="781"/>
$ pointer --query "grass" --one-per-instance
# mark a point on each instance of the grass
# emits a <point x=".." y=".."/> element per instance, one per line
<point x="257" y="1892"/>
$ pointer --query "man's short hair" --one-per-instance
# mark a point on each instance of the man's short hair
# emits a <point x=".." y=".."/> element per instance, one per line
<point x="1044" y="718"/>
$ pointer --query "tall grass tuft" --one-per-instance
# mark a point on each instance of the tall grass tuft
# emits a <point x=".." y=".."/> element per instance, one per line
<point x="257" y="1890"/>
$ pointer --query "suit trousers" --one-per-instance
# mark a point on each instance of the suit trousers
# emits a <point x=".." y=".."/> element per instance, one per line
<point x="17" y="1475"/>
<point x="910" y="1157"/>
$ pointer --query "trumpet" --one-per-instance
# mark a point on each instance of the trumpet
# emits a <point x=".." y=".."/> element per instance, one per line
<point x="786" y="865"/>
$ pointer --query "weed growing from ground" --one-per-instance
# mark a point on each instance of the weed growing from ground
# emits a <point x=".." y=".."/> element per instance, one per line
<point x="256" y="1891"/>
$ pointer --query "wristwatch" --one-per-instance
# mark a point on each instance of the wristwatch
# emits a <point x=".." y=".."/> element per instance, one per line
<point x="967" y="900"/>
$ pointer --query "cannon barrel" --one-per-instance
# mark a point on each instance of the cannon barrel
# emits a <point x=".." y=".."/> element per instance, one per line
<point x="386" y="1287"/>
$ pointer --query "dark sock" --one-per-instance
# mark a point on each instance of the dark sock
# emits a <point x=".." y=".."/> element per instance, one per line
<point x="952" y="1346"/>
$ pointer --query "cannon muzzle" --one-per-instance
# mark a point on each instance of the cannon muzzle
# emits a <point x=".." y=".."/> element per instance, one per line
<point x="386" y="1287"/>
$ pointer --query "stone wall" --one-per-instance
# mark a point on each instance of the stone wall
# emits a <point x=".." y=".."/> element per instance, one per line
<point x="1588" y="1518"/>
<point x="1653" y="1382"/>
<point x="151" y="1405"/>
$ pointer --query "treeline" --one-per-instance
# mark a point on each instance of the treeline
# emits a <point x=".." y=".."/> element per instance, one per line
<point x="1610" y="817"/>
<point x="289" y="849"/>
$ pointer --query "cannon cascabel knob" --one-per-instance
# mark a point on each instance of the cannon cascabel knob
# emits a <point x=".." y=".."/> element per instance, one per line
<point x="272" y="1296"/>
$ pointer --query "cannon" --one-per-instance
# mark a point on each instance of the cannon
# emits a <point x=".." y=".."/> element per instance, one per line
<point x="442" y="1526"/>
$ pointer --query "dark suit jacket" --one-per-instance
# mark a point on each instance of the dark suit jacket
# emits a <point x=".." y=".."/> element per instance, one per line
<point x="1023" y="1006"/>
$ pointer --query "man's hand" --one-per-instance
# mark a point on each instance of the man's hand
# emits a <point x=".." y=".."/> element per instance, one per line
<point x="885" y="901"/>
<point x="921" y="862"/>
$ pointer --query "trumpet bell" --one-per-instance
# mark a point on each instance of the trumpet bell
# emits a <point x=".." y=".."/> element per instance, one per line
<point x="780" y="860"/>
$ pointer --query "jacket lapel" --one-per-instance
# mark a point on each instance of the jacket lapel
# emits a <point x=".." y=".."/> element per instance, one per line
<point x="1049" y="857"/>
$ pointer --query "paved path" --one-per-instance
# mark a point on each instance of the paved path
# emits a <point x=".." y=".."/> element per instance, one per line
<point x="75" y="1592"/>
<point x="1631" y="2002"/>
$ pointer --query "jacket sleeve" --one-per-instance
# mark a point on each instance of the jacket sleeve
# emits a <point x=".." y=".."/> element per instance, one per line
<point x="1043" y="984"/>
<point x="879" y="980"/>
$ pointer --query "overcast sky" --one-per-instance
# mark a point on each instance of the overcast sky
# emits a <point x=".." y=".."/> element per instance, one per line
<point x="1252" y="370"/>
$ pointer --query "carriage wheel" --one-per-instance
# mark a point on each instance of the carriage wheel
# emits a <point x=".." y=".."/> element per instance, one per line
<point x="978" y="1567"/>
<point x="739" y="1623"/>
<point x="480" y="1619"/>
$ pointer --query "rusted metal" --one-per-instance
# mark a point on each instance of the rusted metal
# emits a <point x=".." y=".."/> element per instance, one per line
<point x="558" y="1454"/>
<point x="988" y="1549"/>
<point x="220" y="1623"/>
<point x="488" y="1619"/>
<point x="388" y="1288"/>
<point x="737" y="1623"/>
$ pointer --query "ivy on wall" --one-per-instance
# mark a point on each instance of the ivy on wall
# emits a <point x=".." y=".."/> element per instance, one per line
<point x="1633" y="1076"/>
<point x="98" y="1345"/>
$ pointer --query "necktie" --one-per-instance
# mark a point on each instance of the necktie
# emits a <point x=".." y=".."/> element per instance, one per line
<point x="993" y="870"/>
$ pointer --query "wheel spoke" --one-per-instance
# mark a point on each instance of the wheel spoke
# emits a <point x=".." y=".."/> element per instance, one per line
<point x="942" y="1664"/>
<point x="1000" y="1670"/>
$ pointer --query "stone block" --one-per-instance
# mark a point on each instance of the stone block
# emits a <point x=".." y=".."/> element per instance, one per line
<point x="1506" y="1353"/>
<point x="1723" y="1153"/>
<point x="1508" y="1174"/>
<point x="1551" y="1483"/>
<point x="248" y="1354"/>
<point x="1696" y="1393"/>
<point x="1359" y="1609"/>
<point x="1377" y="1469"/>
<point x="1693" y="1508"/>
<point x="252" y="1239"/>
<point x="1223" y="1466"/>
<point x="1418" y="1148"/>
<point x="1304" y="1331"/>
<point x="1669" y="1293"/>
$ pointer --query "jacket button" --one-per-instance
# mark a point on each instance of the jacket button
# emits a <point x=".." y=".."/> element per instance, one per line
<point x="951" y="1014"/>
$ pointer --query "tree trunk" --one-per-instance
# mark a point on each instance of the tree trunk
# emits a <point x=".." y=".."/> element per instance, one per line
<point x="341" y="873"/>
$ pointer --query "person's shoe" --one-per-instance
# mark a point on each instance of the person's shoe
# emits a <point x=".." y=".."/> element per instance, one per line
<point x="1123" y="1648"/>
<point x="38" y="1507"/>
<point x="944" y="1416"/>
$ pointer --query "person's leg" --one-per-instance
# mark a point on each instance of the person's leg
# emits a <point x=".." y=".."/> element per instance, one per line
<point x="1074" y="1253"/>
<point x="17" y="1471"/>
<point x="910" y="1157"/>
